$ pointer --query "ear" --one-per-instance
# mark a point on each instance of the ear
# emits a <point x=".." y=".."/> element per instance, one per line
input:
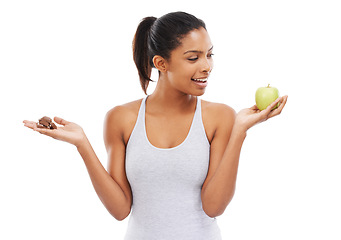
<point x="160" y="63"/>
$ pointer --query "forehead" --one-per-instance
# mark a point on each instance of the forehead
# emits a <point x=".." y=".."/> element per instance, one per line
<point x="197" y="39"/>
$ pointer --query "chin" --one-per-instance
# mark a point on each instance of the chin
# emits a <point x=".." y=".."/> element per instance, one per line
<point x="198" y="93"/>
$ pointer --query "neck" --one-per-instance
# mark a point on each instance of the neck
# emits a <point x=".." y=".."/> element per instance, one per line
<point x="166" y="98"/>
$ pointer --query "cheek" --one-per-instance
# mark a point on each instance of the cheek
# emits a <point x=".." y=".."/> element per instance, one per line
<point x="185" y="71"/>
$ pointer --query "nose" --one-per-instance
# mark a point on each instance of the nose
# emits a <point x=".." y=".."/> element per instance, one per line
<point x="207" y="65"/>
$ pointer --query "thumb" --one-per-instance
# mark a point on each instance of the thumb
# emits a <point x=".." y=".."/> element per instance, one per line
<point x="60" y="121"/>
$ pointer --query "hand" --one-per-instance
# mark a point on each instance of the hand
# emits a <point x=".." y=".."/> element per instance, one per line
<point x="249" y="117"/>
<point x="69" y="132"/>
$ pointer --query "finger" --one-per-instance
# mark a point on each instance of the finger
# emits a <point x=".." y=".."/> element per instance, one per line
<point x="60" y="121"/>
<point x="280" y="108"/>
<point x="282" y="103"/>
<point x="30" y="124"/>
<point x="266" y="112"/>
<point x="274" y="104"/>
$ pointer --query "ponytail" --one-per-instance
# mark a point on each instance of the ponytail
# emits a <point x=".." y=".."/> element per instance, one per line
<point x="141" y="53"/>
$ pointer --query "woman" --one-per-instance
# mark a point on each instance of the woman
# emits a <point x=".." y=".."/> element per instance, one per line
<point x="173" y="158"/>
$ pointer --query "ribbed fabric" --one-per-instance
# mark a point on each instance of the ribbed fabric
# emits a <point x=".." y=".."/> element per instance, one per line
<point x="166" y="185"/>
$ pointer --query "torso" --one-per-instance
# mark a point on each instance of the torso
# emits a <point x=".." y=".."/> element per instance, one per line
<point x="166" y="172"/>
<point x="174" y="126"/>
<point x="166" y="131"/>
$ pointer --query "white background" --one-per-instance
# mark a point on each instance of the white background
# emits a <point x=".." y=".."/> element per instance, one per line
<point x="73" y="59"/>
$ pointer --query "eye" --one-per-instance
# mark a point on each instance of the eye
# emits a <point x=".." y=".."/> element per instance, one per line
<point x="210" y="55"/>
<point x="193" y="59"/>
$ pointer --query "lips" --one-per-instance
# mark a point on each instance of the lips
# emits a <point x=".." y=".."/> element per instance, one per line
<point x="202" y="80"/>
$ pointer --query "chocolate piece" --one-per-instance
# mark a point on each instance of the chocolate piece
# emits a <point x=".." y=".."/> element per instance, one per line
<point x="53" y="126"/>
<point x="46" y="122"/>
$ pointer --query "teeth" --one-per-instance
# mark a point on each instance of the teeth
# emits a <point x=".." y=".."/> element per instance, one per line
<point x="200" y="80"/>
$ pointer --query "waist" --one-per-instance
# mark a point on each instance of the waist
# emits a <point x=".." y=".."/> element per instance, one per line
<point x="170" y="225"/>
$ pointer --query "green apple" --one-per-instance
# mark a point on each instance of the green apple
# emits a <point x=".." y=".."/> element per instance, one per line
<point x="265" y="96"/>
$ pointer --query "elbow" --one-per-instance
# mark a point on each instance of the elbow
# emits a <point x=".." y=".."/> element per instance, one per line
<point x="121" y="215"/>
<point x="215" y="208"/>
<point x="213" y="212"/>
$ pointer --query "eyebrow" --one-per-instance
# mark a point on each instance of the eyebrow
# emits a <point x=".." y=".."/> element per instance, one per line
<point x="197" y="51"/>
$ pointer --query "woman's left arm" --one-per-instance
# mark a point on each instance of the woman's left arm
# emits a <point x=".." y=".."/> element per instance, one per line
<point x="219" y="186"/>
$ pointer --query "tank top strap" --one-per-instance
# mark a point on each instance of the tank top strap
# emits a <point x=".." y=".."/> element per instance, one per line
<point x="142" y="110"/>
<point x="141" y="114"/>
<point x="198" y="129"/>
<point x="198" y="109"/>
<point x="138" y="130"/>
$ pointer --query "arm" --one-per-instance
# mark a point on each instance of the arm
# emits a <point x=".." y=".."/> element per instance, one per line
<point x="108" y="190"/>
<point x="219" y="186"/>
<point x="114" y="196"/>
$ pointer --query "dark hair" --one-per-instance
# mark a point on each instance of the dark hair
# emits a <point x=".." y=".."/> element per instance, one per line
<point x="159" y="37"/>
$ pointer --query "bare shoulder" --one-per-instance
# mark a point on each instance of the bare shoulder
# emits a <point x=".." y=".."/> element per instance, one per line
<point x="121" y="119"/>
<point x="124" y="110"/>
<point x="217" y="116"/>
<point x="217" y="112"/>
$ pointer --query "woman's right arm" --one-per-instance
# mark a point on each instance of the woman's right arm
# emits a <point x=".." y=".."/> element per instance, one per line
<point x="112" y="187"/>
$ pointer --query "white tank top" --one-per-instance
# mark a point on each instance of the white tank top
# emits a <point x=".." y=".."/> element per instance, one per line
<point x="166" y="185"/>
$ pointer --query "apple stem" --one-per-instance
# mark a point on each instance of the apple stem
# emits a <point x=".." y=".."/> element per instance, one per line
<point x="268" y="85"/>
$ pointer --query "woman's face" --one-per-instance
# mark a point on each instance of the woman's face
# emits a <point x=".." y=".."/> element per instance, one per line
<point x="191" y="63"/>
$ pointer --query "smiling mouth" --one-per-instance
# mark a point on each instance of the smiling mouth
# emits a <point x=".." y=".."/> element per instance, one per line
<point x="202" y="80"/>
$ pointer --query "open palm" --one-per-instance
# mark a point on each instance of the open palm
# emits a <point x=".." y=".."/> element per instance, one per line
<point x="249" y="117"/>
<point x="69" y="132"/>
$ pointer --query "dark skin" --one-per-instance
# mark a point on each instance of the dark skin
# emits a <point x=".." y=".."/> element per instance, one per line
<point x="169" y="112"/>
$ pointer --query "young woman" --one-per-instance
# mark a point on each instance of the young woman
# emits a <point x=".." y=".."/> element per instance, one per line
<point x="173" y="158"/>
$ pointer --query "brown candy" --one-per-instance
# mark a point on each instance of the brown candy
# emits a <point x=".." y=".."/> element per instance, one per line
<point x="46" y="122"/>
<point x="53" y="126"/>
